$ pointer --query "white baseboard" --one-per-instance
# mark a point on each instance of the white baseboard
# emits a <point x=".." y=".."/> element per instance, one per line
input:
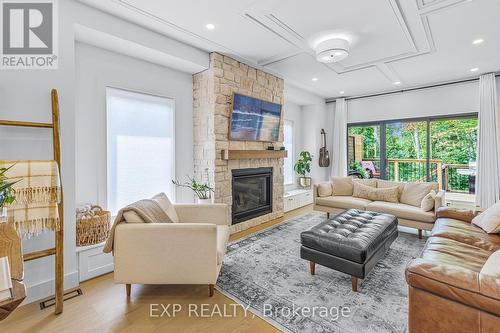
<point x="46" y="289"/>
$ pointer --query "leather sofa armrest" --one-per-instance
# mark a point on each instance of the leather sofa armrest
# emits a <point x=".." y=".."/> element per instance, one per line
<point x="464" y="215"/>
<point x="451" y="281"/>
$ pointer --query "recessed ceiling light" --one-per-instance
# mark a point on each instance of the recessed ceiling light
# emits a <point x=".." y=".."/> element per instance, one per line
<point x="341" y="92"/>
<point x="314" y="79"/>
<point x="475" y="69"/>
<point x="210" y="26"/>
<point x="478" y="41"/>
<point x="397" y="83"/>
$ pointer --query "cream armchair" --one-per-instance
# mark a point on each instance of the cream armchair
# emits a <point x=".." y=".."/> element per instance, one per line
<point x="188" y="252"/>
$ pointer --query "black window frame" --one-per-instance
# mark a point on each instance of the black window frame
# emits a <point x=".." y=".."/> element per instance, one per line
<point x="383" y="126"/>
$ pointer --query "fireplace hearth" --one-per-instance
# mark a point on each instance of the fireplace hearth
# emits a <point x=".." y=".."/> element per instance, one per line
<point x="252" y="193"/>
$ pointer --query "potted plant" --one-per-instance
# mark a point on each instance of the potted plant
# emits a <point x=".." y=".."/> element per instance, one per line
<point x="303" y="167"/>
<point x="7" y="194"/>
<point x="203" y="191"/>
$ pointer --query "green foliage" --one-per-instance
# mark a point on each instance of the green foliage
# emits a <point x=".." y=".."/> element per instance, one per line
<point x="303" y="165"/>
<point x="202" y="190"/>
<point x="453" y="141"/>
<point x="7" y="195"/>
<point x="356" y="166"/>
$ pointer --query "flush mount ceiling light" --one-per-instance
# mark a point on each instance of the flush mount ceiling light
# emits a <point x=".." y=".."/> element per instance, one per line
<point x="210" y="26"/>
<point x="341" y="92"/>
<point x="475" y="69"/>
<point x="478" y="41"/>
<point x="397" y="83"/>
<point x="332" y="50"/>
<point x="314" y="79"/>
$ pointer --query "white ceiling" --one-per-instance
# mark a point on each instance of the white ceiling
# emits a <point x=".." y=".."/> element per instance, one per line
<point x="416" y="42"/>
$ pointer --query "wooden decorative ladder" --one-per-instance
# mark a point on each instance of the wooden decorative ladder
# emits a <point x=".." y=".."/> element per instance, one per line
<point x="59" y="234"/>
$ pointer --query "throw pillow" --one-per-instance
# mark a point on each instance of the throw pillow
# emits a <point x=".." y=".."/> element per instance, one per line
<point x="413" y="193"/>
<point x="387" y="183"/>
<point x="492" y="265"/>
<point x="166" y="205"/>
<point x="325" y="189"/>
<point x="368" y="182"/>
<point x="428" y="201"/>
<point x="389" y="194"/>
<point x="342" y="185"/>
<point x="489" y="220"/>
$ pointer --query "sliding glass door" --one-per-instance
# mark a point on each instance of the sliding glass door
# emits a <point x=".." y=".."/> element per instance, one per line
<point x="363" y="150"/>
<point x="442" y="150"/>
<point x="406" y="151"/>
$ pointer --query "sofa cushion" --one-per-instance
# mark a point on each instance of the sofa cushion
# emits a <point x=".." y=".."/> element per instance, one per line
<point x="492" y="265"/>
<point x="343" y="202"/>
<point x="387" y="183"/>
<point x="389" y="194"/>
<point x="489" y="220"/>
<point x="428" y="201"/>
<point x="466" y="233"/>
<point x="368" y="182"/>
<point x="403" y="211"/>
<point x="342" y="185"/>
<point x="222" y="239"/>
<point x="413" y="193"/>
<point x="325" y="189"/>
<point x="166" y="205"/>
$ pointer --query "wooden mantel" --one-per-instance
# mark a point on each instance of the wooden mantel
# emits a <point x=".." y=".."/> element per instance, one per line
<point x="251" y="154"/>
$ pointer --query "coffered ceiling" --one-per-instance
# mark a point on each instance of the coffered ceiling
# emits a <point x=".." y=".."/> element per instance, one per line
<point x="414" y="42"/>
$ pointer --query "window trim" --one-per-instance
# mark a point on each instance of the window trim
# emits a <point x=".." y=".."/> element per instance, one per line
<point x="107" y="153"/>
<point x="292" y="153"/>
<point x="383" y="123"/>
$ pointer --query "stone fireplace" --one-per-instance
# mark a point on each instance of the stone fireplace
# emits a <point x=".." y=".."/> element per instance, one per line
<point x="212" y="94"/>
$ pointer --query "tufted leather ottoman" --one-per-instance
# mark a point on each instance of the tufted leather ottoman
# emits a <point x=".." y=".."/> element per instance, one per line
<point x="351" y="242"/>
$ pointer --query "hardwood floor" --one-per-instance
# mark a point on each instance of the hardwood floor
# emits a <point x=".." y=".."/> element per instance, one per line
<point x="104" y="307"/>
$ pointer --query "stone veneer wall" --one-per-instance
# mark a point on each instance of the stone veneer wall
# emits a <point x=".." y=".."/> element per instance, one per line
<point x="212" y="95"/>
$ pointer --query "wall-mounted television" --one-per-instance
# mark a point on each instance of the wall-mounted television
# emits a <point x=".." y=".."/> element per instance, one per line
<point x="253" y="119"/>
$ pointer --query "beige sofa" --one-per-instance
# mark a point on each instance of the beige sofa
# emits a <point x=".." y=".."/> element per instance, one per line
<point x="190" y="251"/>
<point x="408" y="215"/>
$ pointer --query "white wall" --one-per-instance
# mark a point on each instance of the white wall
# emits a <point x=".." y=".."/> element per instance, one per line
<point x="25" y="95"/>
<point x="97" y="69"/>
<point x="444" y="100"/>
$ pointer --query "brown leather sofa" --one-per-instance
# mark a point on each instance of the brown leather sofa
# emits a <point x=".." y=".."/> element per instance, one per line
<point x="447" y="290"/>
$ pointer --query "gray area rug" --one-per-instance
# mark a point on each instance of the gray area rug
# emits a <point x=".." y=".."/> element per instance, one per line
<point x="264" y="271"/>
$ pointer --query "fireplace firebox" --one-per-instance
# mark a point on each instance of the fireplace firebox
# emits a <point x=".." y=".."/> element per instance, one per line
<point x="252" y="193"/>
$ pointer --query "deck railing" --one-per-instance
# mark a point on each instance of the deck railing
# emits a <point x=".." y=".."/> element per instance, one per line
<point x="415" y="170"/>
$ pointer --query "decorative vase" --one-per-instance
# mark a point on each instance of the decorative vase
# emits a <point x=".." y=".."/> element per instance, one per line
<point x="205" y="201"/>
<point x="3" y="214"/>
<point x="305" y="181"/>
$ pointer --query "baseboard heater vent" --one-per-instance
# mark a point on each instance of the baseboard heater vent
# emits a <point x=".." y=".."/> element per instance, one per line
<point x="68" y="295"/>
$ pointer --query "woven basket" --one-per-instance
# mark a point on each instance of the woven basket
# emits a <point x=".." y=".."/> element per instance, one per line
<point x="93" y="228"/>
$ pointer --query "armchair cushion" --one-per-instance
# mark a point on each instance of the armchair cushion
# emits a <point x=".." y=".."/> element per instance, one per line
<point x="166" y="205"/>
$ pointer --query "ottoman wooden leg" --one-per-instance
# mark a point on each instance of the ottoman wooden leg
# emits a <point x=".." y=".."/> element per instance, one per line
<point x="419" y="233"/>
<point x="312" y="267"/>
<point x="354" y="283"/>
<point x="327" y="215"/>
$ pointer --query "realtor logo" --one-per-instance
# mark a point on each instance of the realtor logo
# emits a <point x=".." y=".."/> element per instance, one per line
<point x="29" y="34"/>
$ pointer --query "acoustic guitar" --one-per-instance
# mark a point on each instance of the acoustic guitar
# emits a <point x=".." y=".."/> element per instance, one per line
<point x="324" y="155"/>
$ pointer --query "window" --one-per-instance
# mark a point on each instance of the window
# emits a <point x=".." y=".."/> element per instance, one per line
<point x="288" y="162"/>
<point x="140" y="147"/>
<point x="440" y="149"/>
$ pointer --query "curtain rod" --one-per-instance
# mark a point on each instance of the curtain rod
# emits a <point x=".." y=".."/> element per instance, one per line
<point x="407" y="90"/>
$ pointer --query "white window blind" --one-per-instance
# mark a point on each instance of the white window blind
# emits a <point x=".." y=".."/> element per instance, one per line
<point x="140" y="147"/>
<point x="289" y="161"/>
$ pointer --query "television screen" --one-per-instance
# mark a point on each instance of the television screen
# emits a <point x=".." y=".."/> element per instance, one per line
<point x="254" y="119"/>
